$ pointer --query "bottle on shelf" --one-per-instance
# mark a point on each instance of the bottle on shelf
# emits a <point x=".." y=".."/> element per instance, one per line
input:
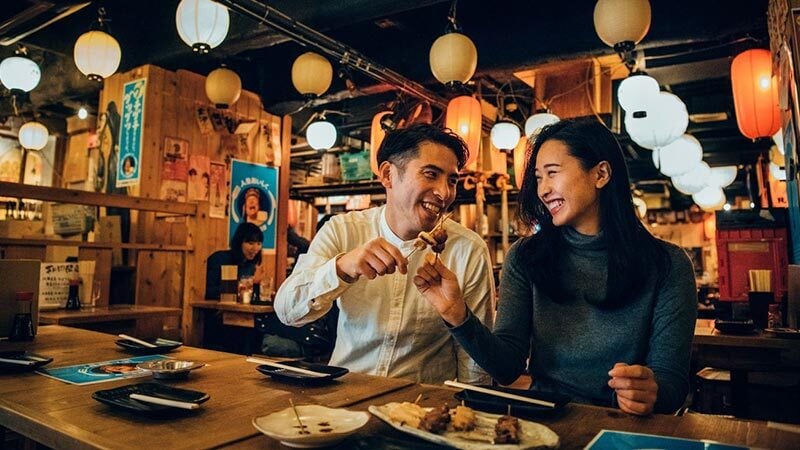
<point x="22" y="327"/>
<point x="774" y="318"/>
<point x="73" y="298"/>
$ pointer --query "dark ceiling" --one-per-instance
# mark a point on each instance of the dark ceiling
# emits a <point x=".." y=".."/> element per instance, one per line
<point x="688" y="49"/>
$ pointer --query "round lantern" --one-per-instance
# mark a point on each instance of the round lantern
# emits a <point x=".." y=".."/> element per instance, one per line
<point x="694" y="180"/>
<point x="722" y="176"/>
<point x="97" y="54"/>
<point x="678" y="157"/>
<point x="755" y="94"/>
<point x="33" y="135"/>
<point x="617" y="21"/>
<point x="223" y="87"/>
<point x="202" y="24"/>
<point x="19" y="72"/>
<point x="311" y="74"/>
<point x="710" y="198"/>
<point x="453" y="58"/>
<point x="376" y="136"/>
<point x="505" y="135"/>
<point x="665" y="120"/>
<point x="538" y="121"/>
<point x="520" y="161"/>
<point x="464" y="118"/>
<point x="321" y="135"/>
<point x="635" y="92"/>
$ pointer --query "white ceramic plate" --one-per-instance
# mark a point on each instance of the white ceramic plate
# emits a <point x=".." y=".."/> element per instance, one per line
<point x="533" y="435"/>
<point x="326" y="426"/>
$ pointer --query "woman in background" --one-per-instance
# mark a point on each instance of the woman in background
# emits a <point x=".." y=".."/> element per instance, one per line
<point x="245" y="253"/>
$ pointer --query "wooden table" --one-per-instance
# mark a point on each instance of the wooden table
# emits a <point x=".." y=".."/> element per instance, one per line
<point x="139" y="320"/>
<point x="65" y="416"/>
<point x="233" y="314"/>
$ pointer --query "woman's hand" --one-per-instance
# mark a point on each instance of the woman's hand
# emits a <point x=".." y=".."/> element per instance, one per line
<point x="440" y="288"/>
<point x="636" y="388"/>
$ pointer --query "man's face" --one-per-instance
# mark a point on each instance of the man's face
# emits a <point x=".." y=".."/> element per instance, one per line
<point x="251" y="206"/>
<point x="419" y="193"/>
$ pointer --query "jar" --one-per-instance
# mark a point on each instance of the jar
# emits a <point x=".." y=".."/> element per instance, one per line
<point x="22" y="327"/>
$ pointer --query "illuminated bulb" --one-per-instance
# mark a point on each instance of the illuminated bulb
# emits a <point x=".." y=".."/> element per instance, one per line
<point x="82" y="113"/>
<point x="764" y="83"/>
<point x="726" y="207"/>
<point x="752" y="205"/>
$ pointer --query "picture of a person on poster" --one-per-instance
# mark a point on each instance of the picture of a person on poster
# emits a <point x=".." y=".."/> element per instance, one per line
<point x="252" y="207"/>
<point x="128" y="166"/>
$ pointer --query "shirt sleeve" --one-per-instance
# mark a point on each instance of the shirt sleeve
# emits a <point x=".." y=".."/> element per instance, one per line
<point x="308" y="293"/>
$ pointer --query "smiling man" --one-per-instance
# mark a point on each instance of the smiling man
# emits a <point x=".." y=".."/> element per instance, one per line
<point x="360" y="260"/>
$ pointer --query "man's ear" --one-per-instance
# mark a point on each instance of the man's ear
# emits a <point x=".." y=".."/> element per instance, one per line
<point x="603" y="174"/>
<point x="385" y="174"/>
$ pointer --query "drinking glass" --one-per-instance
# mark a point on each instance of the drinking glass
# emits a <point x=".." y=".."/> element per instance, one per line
<point x="96" y="291"/>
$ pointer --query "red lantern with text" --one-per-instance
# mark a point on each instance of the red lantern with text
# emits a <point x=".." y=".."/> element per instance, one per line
<point x="464" y="118"/>
<point x="755" y="94"/>
<point x="376" y="136"/>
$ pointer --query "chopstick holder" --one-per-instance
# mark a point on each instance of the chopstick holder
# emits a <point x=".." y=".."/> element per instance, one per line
<point x="518" y="398"/>
<point x="164" y="401"/>
<point x="137" y="340"/>
<point x="267" y="362"/>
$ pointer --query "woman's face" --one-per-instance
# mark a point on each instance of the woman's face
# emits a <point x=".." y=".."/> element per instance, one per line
<point x="569" y="192"/>
<point x="251" y="249"/>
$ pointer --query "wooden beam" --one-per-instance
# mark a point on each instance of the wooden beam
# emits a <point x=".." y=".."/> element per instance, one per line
<point x="81" y="244"/>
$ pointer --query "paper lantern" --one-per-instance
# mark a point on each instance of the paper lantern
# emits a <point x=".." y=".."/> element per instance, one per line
<point x="33" y="135"/>
<point x="505" y="135"/>
<point x="464" y="118"/>
<point x="223" y="87"/>
<point x="376" y="136"/>
<point x="666" y="120"/>
<point x="538" y="121"/>
<point x="617" y="21"/>
<point x="722" y="176"/>
<point x="520" y="161"/>
<point x="453" y="58"/>
<point x="202" y="24"/>
<point x="311" y="74"/>
<point x="678" y="157"/>
<point x="19" y="72"/>
<point x="321" y="135"/>
<point x="694" y="180"/>
<point x="637" y="91"/>
<point x="97" y="54"/>
<point x="710" y="198"/>
<point x="755" y="94"/>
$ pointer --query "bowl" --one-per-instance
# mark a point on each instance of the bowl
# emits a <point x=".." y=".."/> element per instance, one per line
<point x="324" y="426"/>
<point x="166" y="369"/>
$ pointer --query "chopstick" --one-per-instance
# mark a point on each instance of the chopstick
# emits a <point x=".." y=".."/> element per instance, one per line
<point x="519" y="398"/>
<point x="21" y="362"/>
<point x="137" y="340"/>
<point x="267" y="362"/>
<point x="164" y="401"/>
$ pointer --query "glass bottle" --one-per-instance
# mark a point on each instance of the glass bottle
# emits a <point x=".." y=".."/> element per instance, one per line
<point x="73" y="298"/>
<point x="774" y="319"/>
<point x="22" y="328"/>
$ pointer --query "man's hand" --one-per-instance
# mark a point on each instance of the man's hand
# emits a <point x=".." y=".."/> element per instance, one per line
<point x="636" y="388"/>
<point x="375" y="258"/>
<point x="440" y="288"/>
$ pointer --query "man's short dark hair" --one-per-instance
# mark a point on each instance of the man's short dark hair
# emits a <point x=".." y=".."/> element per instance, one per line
<point x="399" y="146"/>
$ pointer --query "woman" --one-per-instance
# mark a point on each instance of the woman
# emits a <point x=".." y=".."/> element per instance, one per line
<point x="245" y="253"/>
<point x="604" y="310"/>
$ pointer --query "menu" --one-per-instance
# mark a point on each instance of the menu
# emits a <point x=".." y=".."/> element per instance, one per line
<point x="622" y="440"/>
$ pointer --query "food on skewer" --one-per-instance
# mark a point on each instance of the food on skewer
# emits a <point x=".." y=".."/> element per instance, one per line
<point x="463" y="418"/>
<point x="407" y="413"/>
<point x="507" y="430"/>
<point x="436" y="420"/>
<point x="435" y="238"/>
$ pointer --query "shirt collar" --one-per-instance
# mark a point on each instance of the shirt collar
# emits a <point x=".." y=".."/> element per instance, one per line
<point x="389" y="235"/>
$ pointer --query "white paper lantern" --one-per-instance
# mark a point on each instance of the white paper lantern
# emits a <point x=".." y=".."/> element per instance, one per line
<point x="722" y="176"/>
<point x="321" y="135"/>
<point x="97" y="54"/>
<point x="678" y="157"/>
<point x="538" y="121"/>
<point x="621" y="20"/>
<point x="33" y="135"/>
<point x="19" y="72"/>
<point x="777" y="172"/>
<point x="666" y="120"/>
<point x="453" y="58"/>
<point x="223" y="87"/>
<point x="636" y="92"/>
<point x="710" y="198"/>
<point x="202" y="24"/>
<point x="694" y="180"/>
<point x="505" y="135"/>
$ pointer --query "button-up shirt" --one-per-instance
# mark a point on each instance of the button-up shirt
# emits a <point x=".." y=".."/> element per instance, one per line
<point x="386" y="327"/>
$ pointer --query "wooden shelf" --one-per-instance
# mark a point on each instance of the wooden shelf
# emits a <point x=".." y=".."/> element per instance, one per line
<point x="111" y="245"/>
<point x="105" y="314"/>
<point x="237" y="307"/>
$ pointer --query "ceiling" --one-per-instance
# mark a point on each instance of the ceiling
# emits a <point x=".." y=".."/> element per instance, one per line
<point x="688" y="49"/>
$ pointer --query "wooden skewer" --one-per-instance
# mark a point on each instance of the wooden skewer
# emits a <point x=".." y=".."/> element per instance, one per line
<point x="519" y="398"/>
<point x="297" y="416"/>
<point x="267" y="362"/>
<point x="137" y="340"/>
<point x="419" y="397"/>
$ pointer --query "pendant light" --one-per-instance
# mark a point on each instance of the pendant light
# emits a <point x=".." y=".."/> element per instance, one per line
<point x="97" y="54"/>
<point x="505" y="135"/>
<point x="464" y="118"/>
<point x="538" y="121"/>
<point x="664" y="120"/>
<point x="321" y="134"/>
<point x="33" y="135"/>
<point x="223" y="87"/>
<point x="722" y="176"/>
<point x="755" y="93"/>
<point x="202" y="24"/>
<point x="694" y="180"/>
<point x="19" y="72"/>
<point x="311" y="74"/>
<point x="679" y="157"/>
<point x="637" y="91"/>
<point x="621" y="23"/>
<point x="453" y="57"/>
<point x="376" y="135"/>
<point x="710" y="198"/>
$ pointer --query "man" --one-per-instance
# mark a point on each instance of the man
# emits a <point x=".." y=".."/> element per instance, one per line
<point x="252" y="207"/>
<point x="362" y="259"/>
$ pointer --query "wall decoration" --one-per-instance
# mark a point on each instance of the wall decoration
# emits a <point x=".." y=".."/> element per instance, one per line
<point x="203" y="119"/>
<point x="254" y="192"/>
<point x="173" y="191"/>
<point x="130" y="137"/>
<point x="199" y="177"/>
<point x="175" y="149"/>
<point x="218" y="191"/>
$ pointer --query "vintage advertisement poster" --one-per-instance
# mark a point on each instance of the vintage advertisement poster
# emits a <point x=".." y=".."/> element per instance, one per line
<point x="218" y="191"/>
<point x="199" y="177"/>
<point x="54" y="283"/>
<point x="130" y="136"/>
<point x="253" y="195"/>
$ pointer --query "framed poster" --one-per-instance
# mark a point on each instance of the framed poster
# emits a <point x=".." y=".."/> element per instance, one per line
<point x="130" y="136"/>
<point x="218" y="191"/>
<point x="253" y="197"/>
<point x="199" y="177"/>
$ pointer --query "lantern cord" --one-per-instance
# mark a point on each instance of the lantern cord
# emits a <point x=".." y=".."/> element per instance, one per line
<point x="704" y="49"/>
<point x="14" y="105"/>
<point x="451" y="16"/>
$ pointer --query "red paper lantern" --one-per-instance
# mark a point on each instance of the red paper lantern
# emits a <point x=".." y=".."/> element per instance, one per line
<point x="376" y="136"/>
<point x="755" y="94"/>
<point x="464" y="118"/>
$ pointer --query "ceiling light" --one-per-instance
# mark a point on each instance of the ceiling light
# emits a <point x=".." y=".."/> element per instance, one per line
<point x="679" y="157"/>
<point x="97" y="54"/>
<point x="664" y="120"/>
<point x="453" y="57"/>
<point x="694" y="180"/>
<point x="311" y="74"/>
<point x="710" y="198"/>
<point x="538" y="121"/>
<point x="223" y="87"/>
<point x="635" y="92"/>
<point x="19" y="72"/>
<point x="321" y="134"/>
<point x="464" y="118"/>
<point x="33" y="135"/>
<point x="726" y="206"/>
<point x="621" y="21"/>
<point x="722" y="176"/>
<point x="202" y="24"/>
<point x="505" y="135"/>
<point x="83" y="113"/>
<point x="755" y="93"/>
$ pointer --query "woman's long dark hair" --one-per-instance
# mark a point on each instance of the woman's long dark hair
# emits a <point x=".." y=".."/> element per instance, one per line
<point x="245" y="232"/>
<point x="632" y="250"/>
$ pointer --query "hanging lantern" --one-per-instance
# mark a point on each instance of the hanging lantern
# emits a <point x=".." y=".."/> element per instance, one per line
<point x="19" y="72"/>
<point x="678" y="157"/>
<point x="453" y="58"/>
<point x="618" y="21"/>
<point x="321" y="134"/>
<point x="755" y="94"/>
<point x="202" y="24"/>
<point x="223" y="87"/>
<point x="538" y="121"/>
<point x="637" y="91"/>
<point x="376" y="135"/>
<point x="33" y="135"/>
<point x="694" y="180"/>
<point x="505" y="135"/>
<point x="311" y="74"/>
<point x="710" y="198"/>
<point x="722" y="176"/>
<point x="665" y="120"/>
<point x="464" y="118"/>
<point x="520" y="161"/>
<point x="97" y="54"/>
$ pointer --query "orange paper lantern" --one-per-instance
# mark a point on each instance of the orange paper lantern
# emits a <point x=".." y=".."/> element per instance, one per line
<point x="376" y="136"/>
<point x="464" y="118"/>
<point x="520" y="161"/>
<point x="755" y="94"/>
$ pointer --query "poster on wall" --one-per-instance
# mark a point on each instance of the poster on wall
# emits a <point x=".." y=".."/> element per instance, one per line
<point x="218" y="191"/>
<point x="130" y="136"/>
<point x="199" y="177"/>
<point x="253" y="197"/>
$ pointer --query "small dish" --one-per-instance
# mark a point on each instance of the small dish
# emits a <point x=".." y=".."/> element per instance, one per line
<point x="170" y="369"/>
<point x="786" y="333"/>
<point x="324" y="426"/>
<point x="120" y="398"/>
<point x="500" y="405"/>
<point x="161" y="346"/>
<point x="22" y="361"/>
<point x="301" y="378"/>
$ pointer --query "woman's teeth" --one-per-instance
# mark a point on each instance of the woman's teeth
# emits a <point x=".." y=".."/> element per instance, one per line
<point x="555" y="204"/>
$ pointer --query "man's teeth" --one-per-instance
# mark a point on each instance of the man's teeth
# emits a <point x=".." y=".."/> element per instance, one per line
<point x="554" y="204"/>
<point x="431" y="207"/>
